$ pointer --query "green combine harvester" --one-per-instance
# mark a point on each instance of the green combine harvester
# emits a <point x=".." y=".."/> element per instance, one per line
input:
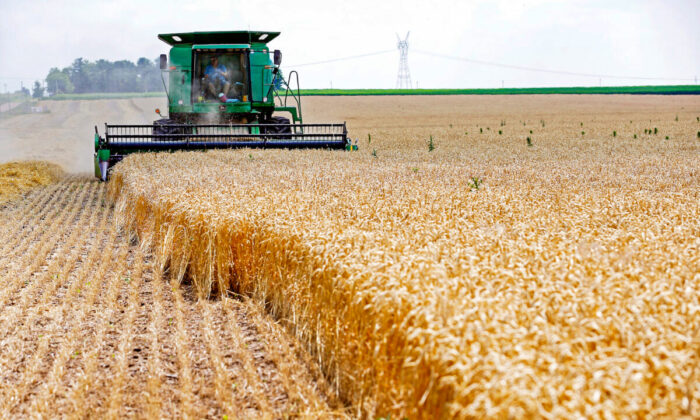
<point x="225" y="91"/>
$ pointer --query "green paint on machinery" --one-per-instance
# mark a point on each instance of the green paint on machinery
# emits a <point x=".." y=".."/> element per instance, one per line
<point x="224" y="90"/>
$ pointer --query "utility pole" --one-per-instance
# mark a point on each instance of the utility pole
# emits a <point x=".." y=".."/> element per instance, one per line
<point x="403" y="78"/>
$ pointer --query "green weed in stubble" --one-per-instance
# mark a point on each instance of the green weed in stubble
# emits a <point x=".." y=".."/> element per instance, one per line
<point x="529" y="141"/>
<point x="475" y="183"/>
<point x="374" y="152"/>
<point x="431" y="144"/>
<point x="369" y="139"/>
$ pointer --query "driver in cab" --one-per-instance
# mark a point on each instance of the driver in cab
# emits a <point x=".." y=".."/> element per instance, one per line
<point x="217" y="78"/>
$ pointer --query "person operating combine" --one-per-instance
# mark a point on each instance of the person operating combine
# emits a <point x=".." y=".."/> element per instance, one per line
<point x="217" y="77"/>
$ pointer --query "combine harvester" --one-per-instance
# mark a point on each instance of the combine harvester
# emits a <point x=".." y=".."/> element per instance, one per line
<point x="224" y="88"/>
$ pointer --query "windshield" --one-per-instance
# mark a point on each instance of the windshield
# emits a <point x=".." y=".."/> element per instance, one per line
<point x="220" y="76"/>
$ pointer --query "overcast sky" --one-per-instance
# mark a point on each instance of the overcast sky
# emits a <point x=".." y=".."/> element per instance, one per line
<point x="645" y="39"/>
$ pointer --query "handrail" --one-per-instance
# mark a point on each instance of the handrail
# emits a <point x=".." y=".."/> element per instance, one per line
<point x="289" y="92"/>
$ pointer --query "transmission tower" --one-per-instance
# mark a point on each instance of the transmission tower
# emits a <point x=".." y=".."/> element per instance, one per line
<point x="403" y="79"/>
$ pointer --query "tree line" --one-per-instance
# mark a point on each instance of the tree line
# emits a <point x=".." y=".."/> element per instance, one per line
<point x="102" y="76"/>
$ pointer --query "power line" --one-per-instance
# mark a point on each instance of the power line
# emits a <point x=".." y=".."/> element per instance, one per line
<point x="333" y="60"/>
<point x="569" y="73"/>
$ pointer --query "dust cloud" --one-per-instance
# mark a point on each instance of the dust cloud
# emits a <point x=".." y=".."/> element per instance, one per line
<point x="65" y="135"/>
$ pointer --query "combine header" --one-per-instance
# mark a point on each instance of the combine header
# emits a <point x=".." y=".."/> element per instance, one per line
<point x="223" y="90"/>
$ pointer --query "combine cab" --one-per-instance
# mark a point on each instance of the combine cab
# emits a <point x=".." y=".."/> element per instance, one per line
<point x="225" y="91"/>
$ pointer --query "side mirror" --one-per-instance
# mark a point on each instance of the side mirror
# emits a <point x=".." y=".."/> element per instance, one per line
<point x="163" y="62"/>
<point x="278" y="57"/>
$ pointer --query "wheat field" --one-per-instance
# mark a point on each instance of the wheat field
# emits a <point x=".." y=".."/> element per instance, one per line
<point x="537" y="258"/>
<point x="469" y="276"/>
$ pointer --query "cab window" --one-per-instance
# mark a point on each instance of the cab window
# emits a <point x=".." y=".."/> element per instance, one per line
<point x="220" y="76"/>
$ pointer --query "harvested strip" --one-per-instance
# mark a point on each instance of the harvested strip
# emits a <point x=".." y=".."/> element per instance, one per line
<point x="49" y="281"/>
<point x="133" y="281"/>
<point x="184" y="363"/>
<point x="48" y="338"/>
<point x="18" y="239"/>
<point x="251" y="382"/>
<point x="60" y="333"/>
<point x="46" y="240"/>
<point x="85" y="381"/>
<point x="157" y="324"/>
<point x="81" y="303"/>
<point x="309" y="394"/>
<point x="223" y="380"/>
<point x="24" y="210"/>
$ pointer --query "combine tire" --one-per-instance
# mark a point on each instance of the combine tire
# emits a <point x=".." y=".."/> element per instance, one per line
<point x="165" y="126"/>
<point x="279" y="132"/>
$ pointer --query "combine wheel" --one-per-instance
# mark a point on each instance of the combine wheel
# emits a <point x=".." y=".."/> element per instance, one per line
<point x="165" y="126"/>
<point x="279" y="130"/>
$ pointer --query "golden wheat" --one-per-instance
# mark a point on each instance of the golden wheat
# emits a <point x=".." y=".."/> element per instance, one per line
<point x="16" y="178"/>
<point x="484" y="278"/>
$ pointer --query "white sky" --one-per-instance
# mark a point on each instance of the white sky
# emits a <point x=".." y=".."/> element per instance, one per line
<point x="628" y="38"/>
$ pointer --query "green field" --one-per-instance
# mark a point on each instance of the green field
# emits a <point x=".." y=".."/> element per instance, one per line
<point x="604" y="90"/>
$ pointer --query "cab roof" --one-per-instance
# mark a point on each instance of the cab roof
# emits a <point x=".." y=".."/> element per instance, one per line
<point x="221" y="37"/>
